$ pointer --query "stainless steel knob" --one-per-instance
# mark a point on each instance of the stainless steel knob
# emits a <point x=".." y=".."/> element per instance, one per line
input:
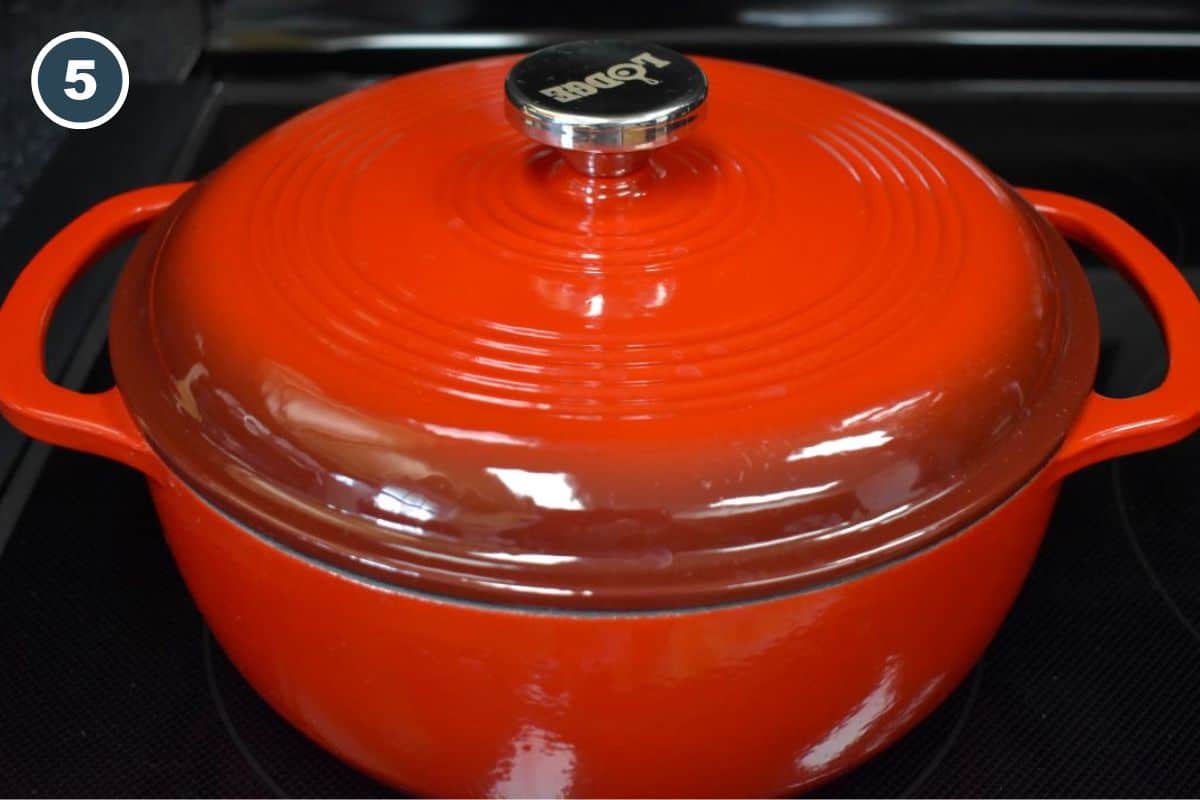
<point x="605" y="104"/>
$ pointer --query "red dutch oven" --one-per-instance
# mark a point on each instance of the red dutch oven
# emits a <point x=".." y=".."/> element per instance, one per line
<point x="518" y="435"/>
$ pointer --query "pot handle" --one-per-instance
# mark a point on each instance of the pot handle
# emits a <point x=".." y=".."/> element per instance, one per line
<point x="1108" y="427"/>
<point x="95" y="423"/>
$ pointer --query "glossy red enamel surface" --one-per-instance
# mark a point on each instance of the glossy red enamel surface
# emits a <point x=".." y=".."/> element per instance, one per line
<point x="453" y="700"/>
<point x="808" y="339"/>
<point x="459" y="698"/>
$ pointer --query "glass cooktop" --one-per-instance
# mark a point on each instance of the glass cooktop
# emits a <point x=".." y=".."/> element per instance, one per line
<point x="113" y="684"/>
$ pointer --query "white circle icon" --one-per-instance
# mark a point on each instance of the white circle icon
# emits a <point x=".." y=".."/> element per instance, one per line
<point x="79" y="80"/>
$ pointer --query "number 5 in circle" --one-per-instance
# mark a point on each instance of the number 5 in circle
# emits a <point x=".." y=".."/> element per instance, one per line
<point x="79" y="80"/>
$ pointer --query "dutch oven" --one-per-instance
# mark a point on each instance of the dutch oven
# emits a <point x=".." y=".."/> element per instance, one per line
<point x="604" y="421"/>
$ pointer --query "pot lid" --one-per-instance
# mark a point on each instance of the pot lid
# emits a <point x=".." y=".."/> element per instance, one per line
<point x="629" y="331"/>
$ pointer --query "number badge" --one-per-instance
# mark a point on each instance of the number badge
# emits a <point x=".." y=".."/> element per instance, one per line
<point x="80" y="80"/>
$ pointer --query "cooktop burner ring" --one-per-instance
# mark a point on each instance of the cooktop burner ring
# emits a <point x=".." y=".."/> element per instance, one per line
<point x="207" y="645"/>
<point x="1133" y="535"/>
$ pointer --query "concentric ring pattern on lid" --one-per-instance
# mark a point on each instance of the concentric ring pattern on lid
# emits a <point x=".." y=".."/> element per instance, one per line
<point x="398" y="336"/>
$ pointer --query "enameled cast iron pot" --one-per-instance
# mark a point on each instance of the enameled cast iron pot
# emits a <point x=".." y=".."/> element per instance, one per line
<point x="590" y="461"/>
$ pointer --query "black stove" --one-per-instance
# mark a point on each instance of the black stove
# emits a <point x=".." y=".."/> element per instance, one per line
<point x="113" y="684"/>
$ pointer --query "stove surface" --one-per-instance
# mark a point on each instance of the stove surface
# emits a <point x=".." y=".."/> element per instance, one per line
<point x="1092" y="687"/>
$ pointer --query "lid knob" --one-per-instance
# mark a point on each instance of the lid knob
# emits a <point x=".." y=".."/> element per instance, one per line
<point x="605" y="104"/>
